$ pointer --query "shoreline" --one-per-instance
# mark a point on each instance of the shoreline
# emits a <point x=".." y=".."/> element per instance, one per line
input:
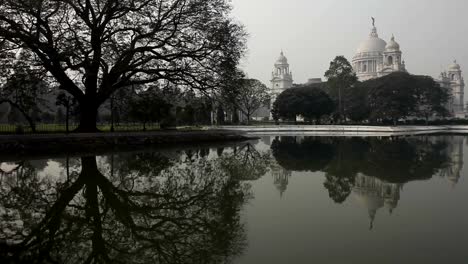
<point x="27" y="145"/>
<point x="336" y="130"/>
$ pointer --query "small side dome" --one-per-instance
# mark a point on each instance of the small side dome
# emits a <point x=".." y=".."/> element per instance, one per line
<point x="392" y="45"/>
<point x="282" y="59"/>
<point x="455" y="66"/>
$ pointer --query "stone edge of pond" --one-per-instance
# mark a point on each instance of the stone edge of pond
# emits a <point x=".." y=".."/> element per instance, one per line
<point x="19" y="145"/>
<point x="356" y="130"/>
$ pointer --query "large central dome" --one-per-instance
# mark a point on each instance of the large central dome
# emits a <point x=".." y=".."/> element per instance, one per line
<point x="373" y="43"/>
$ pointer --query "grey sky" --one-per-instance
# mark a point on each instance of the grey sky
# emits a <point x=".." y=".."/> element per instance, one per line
<point x="431" y="33"/>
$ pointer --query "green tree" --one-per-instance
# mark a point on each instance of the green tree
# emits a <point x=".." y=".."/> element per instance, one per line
<point x="251" y="96"/>
<point x="308" y="101"/>
<point x="392" y="97"/>
<point x="94" y="48"/>
<point x="220" y="115"/>
<point x="357" y="105"/>
<point x="340" y="79"/>
<point x="431" y="97"/>
<point x="23" y="91"/>
<point x="148" y="106"/>
<point x="68" y="102"/>
<point x="315" y="103"/>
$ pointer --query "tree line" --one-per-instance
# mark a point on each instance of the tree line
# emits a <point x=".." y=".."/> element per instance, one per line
<point x="92" y="49"/>
<point x="343" y="98"/>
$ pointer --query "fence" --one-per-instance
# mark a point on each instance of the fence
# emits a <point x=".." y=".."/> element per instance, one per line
<point x="61" y="128"/>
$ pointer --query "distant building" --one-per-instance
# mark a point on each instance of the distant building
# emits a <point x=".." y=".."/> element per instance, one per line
<point x="453" y="80"/>
<point x="376" y="58"/>
<point x="281" y="77"/>
<point x="314" y="81"/>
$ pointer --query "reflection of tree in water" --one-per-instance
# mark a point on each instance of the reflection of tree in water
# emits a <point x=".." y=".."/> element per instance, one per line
<point x="246" y="163"/>
<point x="307" y="154"/>
<point x="341" y="172"/>
<point x="393" y="160"/>
<point x="157" y="213"/>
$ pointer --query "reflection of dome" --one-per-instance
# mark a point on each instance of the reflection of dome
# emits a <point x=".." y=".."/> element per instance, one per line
<point x="369" y="201"/>
<point x="282" y="59"/>
<point x="373" y="194"/>
<point x="391" y="204"/>
<point x="392" y="45"/>
<point x="373" y="43"/>
<point x="455" y="66"/>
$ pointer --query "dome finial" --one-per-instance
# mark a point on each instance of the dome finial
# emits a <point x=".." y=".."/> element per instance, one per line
<point x="373" y="21"/>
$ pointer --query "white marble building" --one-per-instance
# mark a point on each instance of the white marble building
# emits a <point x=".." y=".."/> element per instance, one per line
<point x="376" y="58"/>
<point x="281" y="77"/>
<point x="452" y="79"/>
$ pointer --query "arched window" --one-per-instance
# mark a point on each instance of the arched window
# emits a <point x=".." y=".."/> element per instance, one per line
<point x="453" y="77"/>
<point x="390" y="60"/>
<point x="364" y="68"/>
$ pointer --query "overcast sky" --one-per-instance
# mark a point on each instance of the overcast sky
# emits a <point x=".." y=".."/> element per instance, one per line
<point x="431" y="33"/>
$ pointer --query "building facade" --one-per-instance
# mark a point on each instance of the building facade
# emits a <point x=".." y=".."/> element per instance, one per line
<point x="452" y="79"/>
<point x="281" y="77"/>
<point x="375" y="58"/>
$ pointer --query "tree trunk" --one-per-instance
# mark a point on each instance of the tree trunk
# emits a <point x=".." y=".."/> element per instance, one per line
<point x="31" y="122"/>
<point x="88" y="116"/>
<point x="67" y="117"/>
<point x="248" y="119"/>
<point x="25" y="115"/>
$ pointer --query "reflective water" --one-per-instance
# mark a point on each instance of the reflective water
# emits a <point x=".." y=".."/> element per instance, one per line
<point x="276" y="200"/>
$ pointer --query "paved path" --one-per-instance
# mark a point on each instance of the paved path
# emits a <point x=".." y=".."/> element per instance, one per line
<point x="345" y="130"/>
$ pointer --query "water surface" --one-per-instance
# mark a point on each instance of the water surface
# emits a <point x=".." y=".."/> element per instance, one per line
<point x="276" y="200"/>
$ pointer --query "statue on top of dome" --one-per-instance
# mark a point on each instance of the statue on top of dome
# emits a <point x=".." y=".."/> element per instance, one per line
<point x="373" y="21"/>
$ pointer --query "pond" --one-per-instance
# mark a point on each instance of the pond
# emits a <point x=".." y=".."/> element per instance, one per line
<point x="273" y="200"/>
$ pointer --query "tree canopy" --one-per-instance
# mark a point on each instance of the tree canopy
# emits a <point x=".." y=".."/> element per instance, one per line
<point x="308" y="101"/>
<point x="340" y="79"/>
<point x="250" y="96"/>
<point x="400" y="95"/>
<point x="93" y="48"/>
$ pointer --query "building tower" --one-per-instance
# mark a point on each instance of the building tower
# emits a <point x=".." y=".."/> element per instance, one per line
<point x="392" y="58"/>
<point x="457" y="86"/>
<point x="281" y="77"/>
<point x="454" y="82"/>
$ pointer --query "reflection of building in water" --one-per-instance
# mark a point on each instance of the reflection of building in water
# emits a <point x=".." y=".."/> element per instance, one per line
<point x="374" y="194"/>
<point x="454" y="153"/>
<point x="280" y="177"/>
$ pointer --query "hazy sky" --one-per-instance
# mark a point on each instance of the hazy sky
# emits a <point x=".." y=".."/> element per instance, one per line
<point x="431" y="33"/>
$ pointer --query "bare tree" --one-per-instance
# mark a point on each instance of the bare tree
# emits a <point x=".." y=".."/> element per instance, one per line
<point x="248" y="95"/>
<point x="93" y="48"/>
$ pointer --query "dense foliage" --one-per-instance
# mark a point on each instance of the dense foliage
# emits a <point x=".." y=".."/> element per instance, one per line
<point x="401" y="95"/>
<point x="308" y="101"/>
<point x="394" y="160"/>
<point x="341" y="79"/>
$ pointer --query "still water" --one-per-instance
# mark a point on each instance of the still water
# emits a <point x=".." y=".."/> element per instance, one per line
<point x="275" y="200"/>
